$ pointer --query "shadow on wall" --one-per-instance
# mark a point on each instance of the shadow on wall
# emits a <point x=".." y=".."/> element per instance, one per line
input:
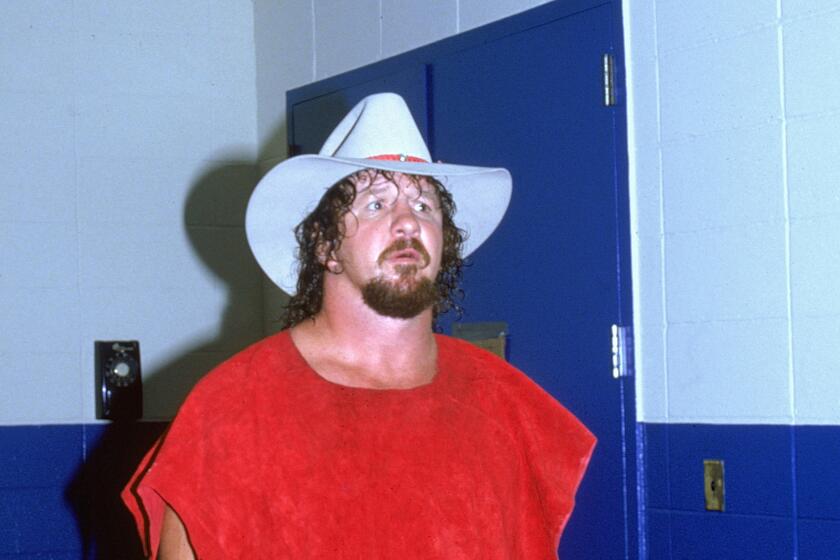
<point x="216" y="204"/>
<point x="105" y="526"/>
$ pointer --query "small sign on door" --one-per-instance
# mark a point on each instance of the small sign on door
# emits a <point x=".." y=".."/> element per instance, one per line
<point x="491" y="336"/>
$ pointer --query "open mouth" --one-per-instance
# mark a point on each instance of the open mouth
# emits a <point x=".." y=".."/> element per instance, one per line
<point x="406" y="251"/>
<point x="405" y="255"/>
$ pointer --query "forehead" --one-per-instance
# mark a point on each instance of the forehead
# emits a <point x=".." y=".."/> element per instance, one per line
<point x="374" y="180"/>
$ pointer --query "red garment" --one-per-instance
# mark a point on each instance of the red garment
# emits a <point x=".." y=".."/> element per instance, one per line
<point x="266" y="459"/>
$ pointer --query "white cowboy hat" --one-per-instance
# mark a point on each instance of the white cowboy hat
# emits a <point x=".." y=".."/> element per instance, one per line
<point x="379" y="133"/>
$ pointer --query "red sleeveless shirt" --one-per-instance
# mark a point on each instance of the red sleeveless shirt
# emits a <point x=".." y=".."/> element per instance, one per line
<point x="266" y="459"/>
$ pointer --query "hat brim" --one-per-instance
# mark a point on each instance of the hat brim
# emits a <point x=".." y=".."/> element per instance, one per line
<point x="292" y="189"/>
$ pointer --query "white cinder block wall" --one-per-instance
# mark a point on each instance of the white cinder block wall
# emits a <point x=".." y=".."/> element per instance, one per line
<point x="735" y="174"/>
<point x="125" y="125"/>
<point x="127" y="151"/>
<point x="131" y="137"/>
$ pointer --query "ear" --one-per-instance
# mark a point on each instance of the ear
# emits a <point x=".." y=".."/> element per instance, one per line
<point x="331" y="264"/>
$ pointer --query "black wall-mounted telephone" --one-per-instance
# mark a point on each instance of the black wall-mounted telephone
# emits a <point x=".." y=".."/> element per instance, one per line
<point x="119" y="386"/>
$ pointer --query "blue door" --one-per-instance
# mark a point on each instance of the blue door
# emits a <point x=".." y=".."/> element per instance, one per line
<point x="533" y="102"/>
<point x="527" y="94"/>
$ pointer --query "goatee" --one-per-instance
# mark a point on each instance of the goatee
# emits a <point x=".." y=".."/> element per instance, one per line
<point x="403" y="298"/>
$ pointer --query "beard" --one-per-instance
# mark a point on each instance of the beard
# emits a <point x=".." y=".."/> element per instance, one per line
<point x="403" y="298"/>
<point x="407" y="296"/>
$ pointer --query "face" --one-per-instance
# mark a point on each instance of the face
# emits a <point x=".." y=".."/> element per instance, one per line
<point x="392" y="245"/>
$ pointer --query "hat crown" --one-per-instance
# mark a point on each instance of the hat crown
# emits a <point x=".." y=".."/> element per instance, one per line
<point x="378" y="126"/>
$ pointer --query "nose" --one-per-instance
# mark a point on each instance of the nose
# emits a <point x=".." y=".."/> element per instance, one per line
<point x="404" y="223"/>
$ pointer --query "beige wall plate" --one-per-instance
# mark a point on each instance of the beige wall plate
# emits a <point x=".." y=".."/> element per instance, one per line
<point x="713" y="483"/>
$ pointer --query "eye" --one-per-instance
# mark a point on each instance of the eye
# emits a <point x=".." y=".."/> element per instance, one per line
<point x="420" y="206"/>
<point x="374" y="205"/>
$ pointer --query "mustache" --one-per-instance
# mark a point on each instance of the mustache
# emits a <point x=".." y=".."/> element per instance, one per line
<point x="402" y="245"/>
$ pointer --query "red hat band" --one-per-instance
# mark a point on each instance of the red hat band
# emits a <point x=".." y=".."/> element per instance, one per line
<point x="399" y="157"/>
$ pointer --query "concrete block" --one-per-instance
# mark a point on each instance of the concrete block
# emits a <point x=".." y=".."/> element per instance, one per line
<point x="817" y="398"/>
<point x="681" y="24"/>
<point x="147" y="126"/>
<point x="233" y="21"/>
<point x="146" y="256"/>
<point x="36" y="60"/>
<point x="813" y="152"/>
<point x="284" y="59"/>
<point x="40" y="387"/>
<point x="407" y="24"/>
<point x="475" y="13"/>
<point x="729" y="372"/>
<point x="37" y="188"/>
<point x="726" y="274"/>
<point x="729" y="84"/>
<point x="815" y="266"/>
<point x="161" y="16"/>
<point x="39" y="320"/>
<point x="134" y="190"/>
<point x="796" y="8"/>
<point x="812" y="67"/>
<point x="347" y="35"/>
<point x="232" y="71"/>
<point x="37" y="15"/>
<point x="649" y="320"/>
<point x="643" y="146"/>
<point x="38" y="255"/>
<point x="143" y="63"/>
<point x="154" y="257"/>
<point x="719" y="180"/>
<point x="233" y="129"/>
<point x="36" y="125"/>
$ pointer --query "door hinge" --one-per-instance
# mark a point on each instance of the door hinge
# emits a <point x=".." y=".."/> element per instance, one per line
<point x="622" y="351"/>
<point x="609" y="80"/>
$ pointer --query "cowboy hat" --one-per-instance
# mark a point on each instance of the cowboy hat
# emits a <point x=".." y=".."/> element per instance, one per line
<point x="378" y="133"/>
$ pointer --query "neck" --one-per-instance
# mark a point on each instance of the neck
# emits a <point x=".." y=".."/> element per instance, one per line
<point x="349" y="343"/>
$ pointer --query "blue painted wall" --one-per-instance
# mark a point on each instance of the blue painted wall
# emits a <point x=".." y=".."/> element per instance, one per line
<point x="59" y="490"/>
<point x="782" y="500"/>
<point x="59" y="486"/>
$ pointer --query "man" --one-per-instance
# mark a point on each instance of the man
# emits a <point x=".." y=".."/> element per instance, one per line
<point x="357" y="432"/>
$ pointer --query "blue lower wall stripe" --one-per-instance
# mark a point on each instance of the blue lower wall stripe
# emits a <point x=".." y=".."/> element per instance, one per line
<point x="59" y="490"/>
<point x="782" y="491"/>
<point x="641" y="489"/>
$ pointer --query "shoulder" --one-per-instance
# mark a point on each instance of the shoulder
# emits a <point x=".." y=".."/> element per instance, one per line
<point x="491" y="372"/>
<point x="231" y="401"/>
<point x="261" y="364"/>
<point x="460" y="354"/>
<point x="511" y="397"/>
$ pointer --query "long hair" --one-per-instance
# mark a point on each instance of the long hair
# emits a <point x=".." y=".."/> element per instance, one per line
<point x="322" y="231"/>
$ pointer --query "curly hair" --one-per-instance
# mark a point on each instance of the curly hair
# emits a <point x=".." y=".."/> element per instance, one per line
<point x="322" y="232"/>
